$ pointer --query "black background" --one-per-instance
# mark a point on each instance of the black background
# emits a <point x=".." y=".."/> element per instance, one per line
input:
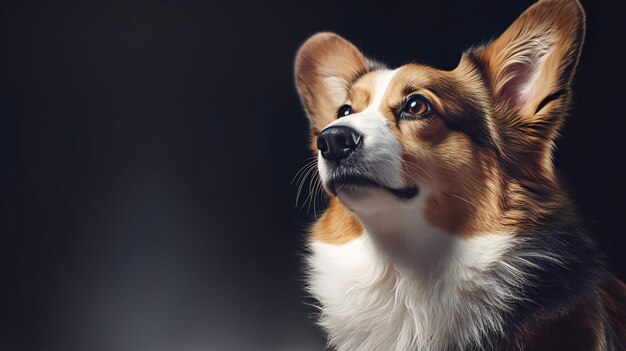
<point x="147" y="149"/>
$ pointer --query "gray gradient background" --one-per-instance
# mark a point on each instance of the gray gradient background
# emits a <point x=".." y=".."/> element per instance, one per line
<point x="147" y="149"/>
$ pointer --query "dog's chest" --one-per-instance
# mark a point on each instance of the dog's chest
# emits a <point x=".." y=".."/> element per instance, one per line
<point x="369" y="304"/>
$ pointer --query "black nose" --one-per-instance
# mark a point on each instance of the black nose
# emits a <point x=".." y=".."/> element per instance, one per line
<point x="336" y="143"/>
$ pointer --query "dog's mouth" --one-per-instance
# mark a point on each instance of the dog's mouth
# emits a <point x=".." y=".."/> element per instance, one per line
<point x="351" y="182"/>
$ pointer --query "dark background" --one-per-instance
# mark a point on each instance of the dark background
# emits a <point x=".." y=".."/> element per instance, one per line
<point x="147" y="149"/>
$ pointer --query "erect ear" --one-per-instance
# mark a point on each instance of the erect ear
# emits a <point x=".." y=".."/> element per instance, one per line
<point x="530" y="69"/>
<point x="326" y="64"/>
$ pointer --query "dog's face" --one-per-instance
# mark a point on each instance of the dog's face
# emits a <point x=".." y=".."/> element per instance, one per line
<point x="457" y="144"/>
<point x="409" y="134"/>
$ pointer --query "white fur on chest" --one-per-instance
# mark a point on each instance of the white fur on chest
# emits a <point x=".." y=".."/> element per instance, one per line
<point x="369" y="303"/>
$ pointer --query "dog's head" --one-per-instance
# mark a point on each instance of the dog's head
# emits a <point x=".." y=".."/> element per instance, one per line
<point x="466" y="145"/>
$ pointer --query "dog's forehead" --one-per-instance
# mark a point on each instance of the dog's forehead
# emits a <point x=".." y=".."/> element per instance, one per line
<point x="383" y="86"/>
<point x="412" y="77"/>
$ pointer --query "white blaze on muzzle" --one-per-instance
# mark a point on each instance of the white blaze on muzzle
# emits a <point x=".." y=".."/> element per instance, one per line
<point x="380" y="153"/>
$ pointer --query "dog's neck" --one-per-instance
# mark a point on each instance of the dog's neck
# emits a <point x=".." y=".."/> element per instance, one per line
<point x="435" y="303"/>
<point x="400" y="230"/>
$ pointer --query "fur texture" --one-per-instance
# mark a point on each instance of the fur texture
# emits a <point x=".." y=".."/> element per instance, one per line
<point x="448" y="228"/>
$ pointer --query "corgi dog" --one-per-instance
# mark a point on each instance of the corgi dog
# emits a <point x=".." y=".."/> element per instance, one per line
<point x="447" y="226"/>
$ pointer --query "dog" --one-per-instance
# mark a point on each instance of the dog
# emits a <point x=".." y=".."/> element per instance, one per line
<point x="447" y="226"/>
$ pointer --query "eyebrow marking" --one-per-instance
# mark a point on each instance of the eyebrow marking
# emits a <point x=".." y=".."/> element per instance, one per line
<point x="374" y="66"/>
<point x="358" y="75"/>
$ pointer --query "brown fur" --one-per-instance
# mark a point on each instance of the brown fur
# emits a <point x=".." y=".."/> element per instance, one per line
<point x="337" y="226"/>
<point x="463" y="176"/>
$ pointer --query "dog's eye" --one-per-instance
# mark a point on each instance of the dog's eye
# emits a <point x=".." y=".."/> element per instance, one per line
<point x="344" y="111"/>
<point x="416" y="106"/>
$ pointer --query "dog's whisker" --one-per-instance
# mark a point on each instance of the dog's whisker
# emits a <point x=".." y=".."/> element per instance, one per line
<point x="311" y="168"/>
<point x="462" y="199"/>
<point x="308" y="164"/>
<point x="300" y="184"/>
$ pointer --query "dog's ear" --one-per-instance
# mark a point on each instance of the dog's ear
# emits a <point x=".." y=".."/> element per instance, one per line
<point x="325" y="66"/>
<point x="529" y="69"/>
